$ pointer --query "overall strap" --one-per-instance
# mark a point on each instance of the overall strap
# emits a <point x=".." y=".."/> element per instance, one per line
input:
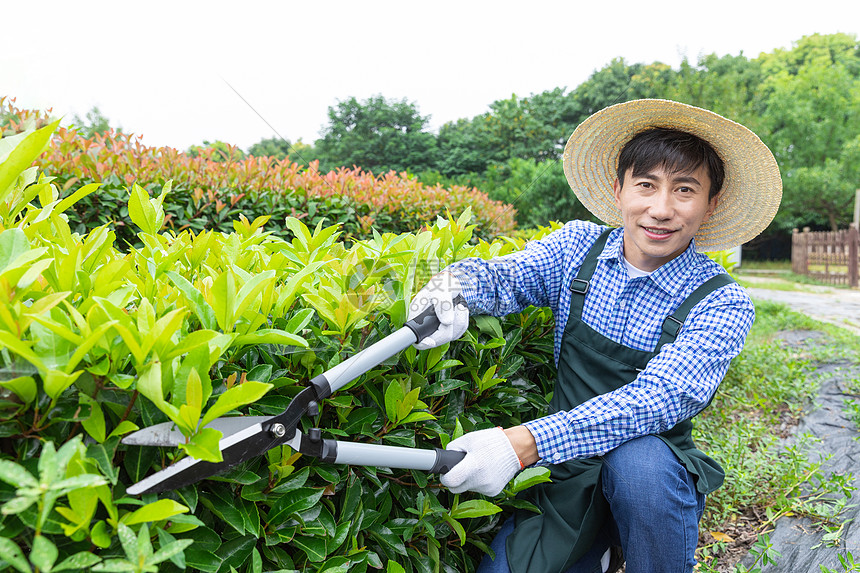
<point x="579" y="285"/>
<point x="673" y="323"/>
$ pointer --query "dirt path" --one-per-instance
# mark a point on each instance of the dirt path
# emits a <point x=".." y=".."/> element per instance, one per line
<point x="834" y="305"/>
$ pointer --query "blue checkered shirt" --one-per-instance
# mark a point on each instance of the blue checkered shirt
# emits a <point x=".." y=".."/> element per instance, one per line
<point x="677" y="383"/>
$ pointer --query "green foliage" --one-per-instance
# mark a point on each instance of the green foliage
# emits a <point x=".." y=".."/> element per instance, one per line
<point x="93" y="123"/>
<point x="209" y="194"/>
<point x="811" y="94"/>
<point x="847" y="562"/>
<point x="279" y="148"/>
<point x="187" y="326"/>
<point x="767" y="387"/>
<point x="217" y="151"/>
<point x="377" y="135"/>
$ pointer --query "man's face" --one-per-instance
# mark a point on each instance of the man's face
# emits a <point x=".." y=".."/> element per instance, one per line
<point x="661" y="212"/>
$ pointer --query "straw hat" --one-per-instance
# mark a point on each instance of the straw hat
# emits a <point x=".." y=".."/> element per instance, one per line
<point x="751" y="190"/>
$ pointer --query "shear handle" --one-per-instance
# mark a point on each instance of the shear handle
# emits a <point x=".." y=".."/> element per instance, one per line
<point x="413" y="331"/>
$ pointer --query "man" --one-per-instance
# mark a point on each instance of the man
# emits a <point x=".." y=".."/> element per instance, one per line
<point x="645" y="329"/>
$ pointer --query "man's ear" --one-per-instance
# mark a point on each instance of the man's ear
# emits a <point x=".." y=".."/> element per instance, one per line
<point x="712" y="206"/>
<point x="616" y="188"/>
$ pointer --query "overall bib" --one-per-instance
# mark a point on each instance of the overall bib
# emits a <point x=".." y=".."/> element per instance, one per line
<point x="572" y="506"/>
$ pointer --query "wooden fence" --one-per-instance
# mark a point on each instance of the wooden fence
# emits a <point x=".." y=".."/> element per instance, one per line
<point x="827" y="256"/>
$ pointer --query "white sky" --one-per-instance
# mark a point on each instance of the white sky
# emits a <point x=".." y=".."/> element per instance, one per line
<point x="161" y="69"/>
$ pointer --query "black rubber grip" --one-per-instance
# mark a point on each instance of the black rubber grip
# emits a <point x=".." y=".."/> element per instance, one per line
<point x="445" y="460"/>
<point x="426" y="323"/>
<point x="321" y="385"/>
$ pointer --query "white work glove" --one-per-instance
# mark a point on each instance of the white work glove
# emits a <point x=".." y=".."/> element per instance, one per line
<point x="441" y="291"/>
<point x="489" y="465"/>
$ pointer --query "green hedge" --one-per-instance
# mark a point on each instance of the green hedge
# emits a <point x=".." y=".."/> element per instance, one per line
<point x="96" y="342"/>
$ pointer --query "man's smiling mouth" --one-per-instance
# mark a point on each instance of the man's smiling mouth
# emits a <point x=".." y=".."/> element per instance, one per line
<point x="656" y="231"/>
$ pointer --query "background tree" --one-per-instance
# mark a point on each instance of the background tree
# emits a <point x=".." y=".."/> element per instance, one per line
<point x="378" y="135"/>
<point x="298" y="152"/>
<point x="810" y="103"/>
<point x="217" y="151"/>
<point x="95" y="122"/>
<point x="271" y="147"/>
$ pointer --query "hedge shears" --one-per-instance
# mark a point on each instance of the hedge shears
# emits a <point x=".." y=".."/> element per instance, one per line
<point x="246" y="437"/>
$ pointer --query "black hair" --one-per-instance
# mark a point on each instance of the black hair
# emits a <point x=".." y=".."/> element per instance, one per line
<point x="674" y="150"/>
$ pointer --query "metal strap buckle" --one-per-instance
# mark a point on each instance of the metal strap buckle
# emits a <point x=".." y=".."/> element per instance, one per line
<point x="672" y="328"/>
<point x="574" y="287"/>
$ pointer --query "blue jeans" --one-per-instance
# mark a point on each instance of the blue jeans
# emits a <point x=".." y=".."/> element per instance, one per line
<point x="655" y="513"/>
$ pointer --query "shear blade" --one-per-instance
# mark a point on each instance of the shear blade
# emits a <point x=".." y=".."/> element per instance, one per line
<point x="168" y="435"/>
<point x="239" y="447"/>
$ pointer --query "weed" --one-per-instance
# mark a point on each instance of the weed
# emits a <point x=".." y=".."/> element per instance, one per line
<point x="847" y="562"/>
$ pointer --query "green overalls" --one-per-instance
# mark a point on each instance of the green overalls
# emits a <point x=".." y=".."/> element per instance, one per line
<point x="590" y="364"/>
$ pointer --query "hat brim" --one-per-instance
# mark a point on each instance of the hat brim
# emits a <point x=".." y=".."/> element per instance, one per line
<point x="751" y="191"/>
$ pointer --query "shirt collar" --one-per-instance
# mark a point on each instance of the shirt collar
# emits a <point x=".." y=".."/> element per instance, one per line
<point x="670" y="277"/>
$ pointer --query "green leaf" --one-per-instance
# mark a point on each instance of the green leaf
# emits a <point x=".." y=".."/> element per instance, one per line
<point x="137" y="462"/>
<point x="418" y="417"/>
<point x="78" y="562"/>
<point x="103" y="456"/>
<point x="164" y="540"/>
<point x="95" y="423"/>
<point x="295" y="501"/>
<point x="237" y="396"/>
<point x="24" y="387"/>
<point x="55" y="382"/>
<point x="149" y="384"/>
<point x="116" y="566"/>
<point x="270" y="336"/>
<point x="202" y="559"/>
<point x="201" y="308"/>
<point x="123" y="428"/>
<point x="314" y="547"/>
<point x="22" y="349"/>
<point x="155" y="511"/>
<point x="456" y="527"/>
<point x="169" y="551"/>
<point x="204" y="445"/>
<point x="16" y="475"/>
<point x="393" y="567"/>
<point x="43" y="554"/>
<point x="220" y="502"/>
<point x="141" y="211"/>
<point x="256" y="562"/>
<point x="235" y="552"/>
<point x="489" y="325"/>
<point x="63" y="487"/>
<point x="75" y="197"/>
<point x="223" y="295"/>
<point x="250" y="290"/>
<point x="18" y="504"/>
<point x="13" y="244"/>
<point x="474" y="508"/>
<point x="49" y="467"/>
<point x="23" y="155"/>
<point x="529" y="477"/>
<point x="393" y="398"/>
<point x="100" y="534"/>
<point x="300" y="320"/>
<point x="407" y="403"/>
<point x="11" y="554"/>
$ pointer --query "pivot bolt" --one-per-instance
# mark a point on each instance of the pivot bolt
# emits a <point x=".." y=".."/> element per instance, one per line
<point x="278" y="430"/>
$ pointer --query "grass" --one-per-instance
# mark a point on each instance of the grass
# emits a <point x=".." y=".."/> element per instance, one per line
<point x="763" y="395"/>
<point x="775" y="284"/>
<point x="780" y="271"/>
<point x="753" y="266"/>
